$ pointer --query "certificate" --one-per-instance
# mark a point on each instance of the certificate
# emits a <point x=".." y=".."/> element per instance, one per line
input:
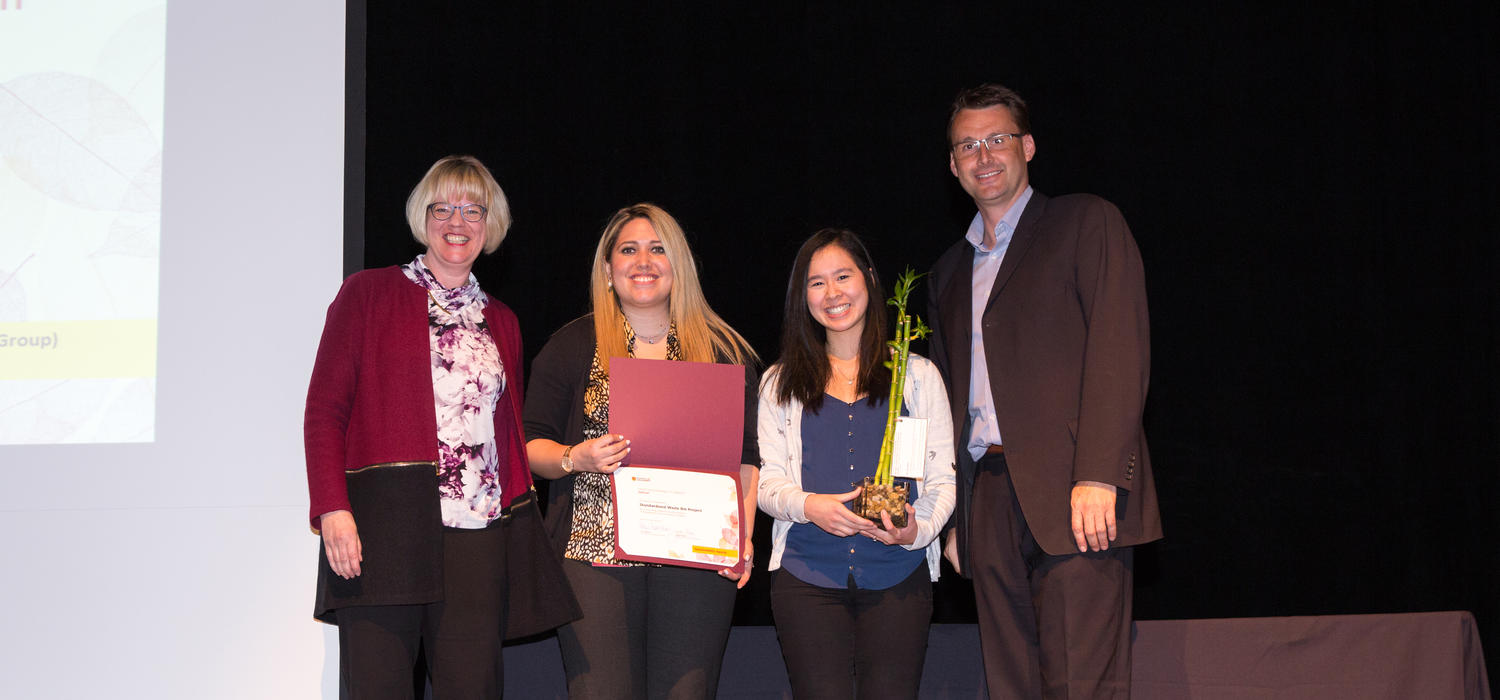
<point x="678" y="516"/>
<point x="677" y="497"/>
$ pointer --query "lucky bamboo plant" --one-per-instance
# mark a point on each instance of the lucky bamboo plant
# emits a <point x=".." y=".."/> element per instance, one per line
<point x="908" y="328"/>
<point x="881" y="493"/>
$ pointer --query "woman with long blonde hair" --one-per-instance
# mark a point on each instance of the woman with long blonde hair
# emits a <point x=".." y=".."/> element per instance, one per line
<point x="647" y="630"/>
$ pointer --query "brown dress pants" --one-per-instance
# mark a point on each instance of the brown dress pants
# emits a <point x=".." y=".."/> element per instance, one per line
<point x="1049" y="626"/>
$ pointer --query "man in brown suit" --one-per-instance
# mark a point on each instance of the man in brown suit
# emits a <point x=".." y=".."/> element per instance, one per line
<point x="1043" y="340"/>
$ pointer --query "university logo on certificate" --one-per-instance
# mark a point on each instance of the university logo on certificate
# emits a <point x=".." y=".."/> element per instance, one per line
<point x="678" y="498"/>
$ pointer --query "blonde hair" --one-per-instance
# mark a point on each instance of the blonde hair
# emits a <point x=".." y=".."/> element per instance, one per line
<point x="466" y="177"/>
<point x="701" y="333"/>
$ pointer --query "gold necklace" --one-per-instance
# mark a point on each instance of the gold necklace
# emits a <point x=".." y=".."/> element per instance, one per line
<point x="848" y="379"/>
<point x="439" y="304"/>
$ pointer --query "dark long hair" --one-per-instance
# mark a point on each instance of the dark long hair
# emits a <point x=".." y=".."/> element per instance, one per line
<point x="804" y="341"/>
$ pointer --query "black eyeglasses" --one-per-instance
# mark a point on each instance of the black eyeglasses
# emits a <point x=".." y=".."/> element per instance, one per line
<point x="442" y="211"/>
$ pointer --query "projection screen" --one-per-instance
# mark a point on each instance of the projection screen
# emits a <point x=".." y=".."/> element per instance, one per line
<point x="171" y="188"/>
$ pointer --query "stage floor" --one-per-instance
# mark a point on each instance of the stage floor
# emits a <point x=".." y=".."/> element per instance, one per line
<point x="1336" y="657"/>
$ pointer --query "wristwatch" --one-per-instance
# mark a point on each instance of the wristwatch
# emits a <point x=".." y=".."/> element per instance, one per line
<point x="567" y="460"/>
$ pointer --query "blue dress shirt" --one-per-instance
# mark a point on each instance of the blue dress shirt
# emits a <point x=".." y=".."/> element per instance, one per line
<point x="983" y="429"/>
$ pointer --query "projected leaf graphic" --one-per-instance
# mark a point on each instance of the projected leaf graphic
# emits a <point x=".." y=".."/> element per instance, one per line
<point x="12" y="297"/>
<point x="12" y="294"/>
<point x="60" y="423"/>
<point x="135" y="231"/>
<point x="77" y="141"/>
<point x="46" y="411"/>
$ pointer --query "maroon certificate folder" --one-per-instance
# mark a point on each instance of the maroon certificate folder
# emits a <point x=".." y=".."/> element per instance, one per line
<point x="677" y="497"/>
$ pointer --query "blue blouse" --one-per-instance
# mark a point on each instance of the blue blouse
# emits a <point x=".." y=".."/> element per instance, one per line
<point x="841" y="446"/>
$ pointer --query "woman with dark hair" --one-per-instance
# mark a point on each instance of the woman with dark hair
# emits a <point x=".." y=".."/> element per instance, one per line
<point x="647" y="631"/>
<point x="415" y="465"/>
<point x="851" y="600"/>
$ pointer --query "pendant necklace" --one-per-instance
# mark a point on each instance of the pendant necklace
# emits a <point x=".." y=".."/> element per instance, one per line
<point x="848" y="379"/>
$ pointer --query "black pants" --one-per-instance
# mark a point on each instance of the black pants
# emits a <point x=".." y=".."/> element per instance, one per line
<point x="462" y="633"/>
<point x="847" y="642"/>
<point x="1049" y="626"/>
<point x="647" y="631"/>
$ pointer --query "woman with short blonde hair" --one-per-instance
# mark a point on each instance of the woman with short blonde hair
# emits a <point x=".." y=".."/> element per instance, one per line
<point x="416" y="468"/>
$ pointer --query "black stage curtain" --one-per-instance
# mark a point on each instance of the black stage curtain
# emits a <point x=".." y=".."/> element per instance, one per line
<point x="1313" y="189"/>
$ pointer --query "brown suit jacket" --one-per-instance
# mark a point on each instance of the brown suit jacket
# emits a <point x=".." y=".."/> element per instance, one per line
<point x="1067" y="344"/>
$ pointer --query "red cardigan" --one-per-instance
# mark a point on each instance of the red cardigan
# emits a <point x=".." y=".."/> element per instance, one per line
<point x="370" y="399"/>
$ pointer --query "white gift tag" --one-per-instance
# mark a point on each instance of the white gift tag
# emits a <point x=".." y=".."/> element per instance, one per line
<point x="909" y="454"/>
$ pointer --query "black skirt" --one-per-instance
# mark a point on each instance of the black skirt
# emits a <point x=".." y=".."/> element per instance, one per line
<point x="397" y="510"/>
<point x="400" y="521"/>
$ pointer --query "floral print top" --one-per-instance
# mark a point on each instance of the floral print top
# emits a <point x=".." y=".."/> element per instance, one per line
<point x="467" y="382"/>
<point x="592" y="538"/>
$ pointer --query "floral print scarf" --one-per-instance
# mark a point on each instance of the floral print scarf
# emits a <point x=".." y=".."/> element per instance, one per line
<point x="467" y="382"/>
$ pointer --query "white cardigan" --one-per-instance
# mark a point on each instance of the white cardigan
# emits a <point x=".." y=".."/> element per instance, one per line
<point x="780" y="430"/>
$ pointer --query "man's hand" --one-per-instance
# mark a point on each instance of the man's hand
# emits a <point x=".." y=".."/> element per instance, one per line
<point x="1093" y="515"/>
<point x="950" y="550"/>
